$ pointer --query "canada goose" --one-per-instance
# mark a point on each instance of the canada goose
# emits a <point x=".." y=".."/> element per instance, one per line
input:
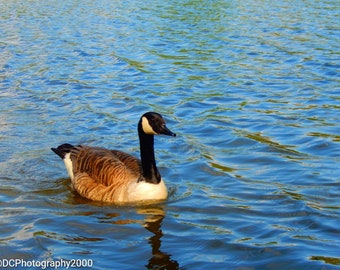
<point x="116" y="177"/>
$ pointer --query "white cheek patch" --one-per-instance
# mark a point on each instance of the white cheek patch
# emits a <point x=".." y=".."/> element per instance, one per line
<point x="147" y="127"/>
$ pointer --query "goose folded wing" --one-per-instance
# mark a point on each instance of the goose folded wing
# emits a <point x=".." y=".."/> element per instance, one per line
<point x="104" y="166"/>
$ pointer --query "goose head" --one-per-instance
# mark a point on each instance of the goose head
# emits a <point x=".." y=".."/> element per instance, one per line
<point x="152" y="123"/>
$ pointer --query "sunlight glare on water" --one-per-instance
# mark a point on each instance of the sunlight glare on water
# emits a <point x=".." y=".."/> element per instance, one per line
<point x="251" y="88"/>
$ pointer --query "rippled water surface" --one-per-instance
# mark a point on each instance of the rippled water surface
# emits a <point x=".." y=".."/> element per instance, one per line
<point x="250" y="87"/>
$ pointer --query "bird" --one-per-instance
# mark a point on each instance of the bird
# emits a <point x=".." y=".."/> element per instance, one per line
<point x="113" y="176"/>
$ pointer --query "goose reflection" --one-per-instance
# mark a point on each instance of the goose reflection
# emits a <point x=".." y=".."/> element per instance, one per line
<point x="153" y="216"/>
<point x="153" y="223"/>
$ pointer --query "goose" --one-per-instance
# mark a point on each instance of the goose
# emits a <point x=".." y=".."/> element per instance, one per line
<point x="113" y="176"/>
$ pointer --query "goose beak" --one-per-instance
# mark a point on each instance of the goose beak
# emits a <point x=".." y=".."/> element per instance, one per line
<point x="167" y="131"/>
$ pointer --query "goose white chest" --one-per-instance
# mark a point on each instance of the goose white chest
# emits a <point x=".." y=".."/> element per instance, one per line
<point x="143" y="191"/>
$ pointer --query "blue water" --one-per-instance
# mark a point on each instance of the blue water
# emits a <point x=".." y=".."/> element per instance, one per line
<point x="250" y="87"/>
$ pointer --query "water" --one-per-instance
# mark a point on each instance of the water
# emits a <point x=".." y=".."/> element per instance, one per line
<point x="250" y="87"/>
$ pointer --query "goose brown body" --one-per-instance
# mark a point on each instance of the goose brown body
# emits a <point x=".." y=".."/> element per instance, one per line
<point x="106" y="175"/>
<point x="102" y="173"/>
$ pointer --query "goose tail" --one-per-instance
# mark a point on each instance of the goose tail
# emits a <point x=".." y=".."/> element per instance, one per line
<point x="63" y="149"/>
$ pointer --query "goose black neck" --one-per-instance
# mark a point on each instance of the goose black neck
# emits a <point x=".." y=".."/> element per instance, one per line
<point x="150" y="172"/>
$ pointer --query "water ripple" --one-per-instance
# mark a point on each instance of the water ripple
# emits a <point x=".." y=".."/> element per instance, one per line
<point x="251" y="89"/>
